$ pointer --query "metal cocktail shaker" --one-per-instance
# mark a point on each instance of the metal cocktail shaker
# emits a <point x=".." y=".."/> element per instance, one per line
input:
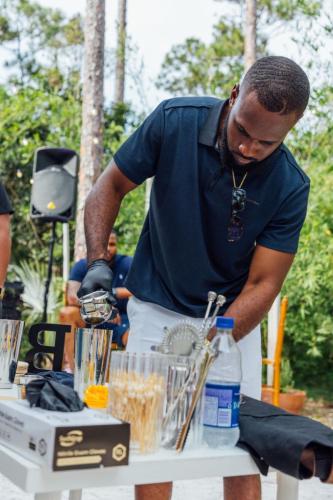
<point x="92" y="358"/>
<point x="97" y="307"/>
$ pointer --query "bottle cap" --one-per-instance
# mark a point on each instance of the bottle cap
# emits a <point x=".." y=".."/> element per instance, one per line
<point x="223" y="322"/>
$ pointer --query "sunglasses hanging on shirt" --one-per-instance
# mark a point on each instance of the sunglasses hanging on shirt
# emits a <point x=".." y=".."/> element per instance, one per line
<point x="238" y="202"/>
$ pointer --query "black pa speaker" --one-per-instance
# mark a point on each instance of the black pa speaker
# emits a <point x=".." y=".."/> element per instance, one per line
<point x="54" y="180"/>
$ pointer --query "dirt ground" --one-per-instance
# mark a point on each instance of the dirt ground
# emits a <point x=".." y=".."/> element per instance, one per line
<point x="320" y="410"/>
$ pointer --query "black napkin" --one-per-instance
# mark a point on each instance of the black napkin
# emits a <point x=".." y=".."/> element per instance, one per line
<point x="277" y="438"/>
<point x="53" y="396"/>
<point x="60" y="377"/>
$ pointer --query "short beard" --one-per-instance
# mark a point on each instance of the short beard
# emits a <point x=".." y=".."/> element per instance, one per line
<point x="226" y="157"/>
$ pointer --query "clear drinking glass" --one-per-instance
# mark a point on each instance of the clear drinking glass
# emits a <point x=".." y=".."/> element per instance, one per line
<point x="137" y="394"/>
<point x="181" y="385"/>
<point x="151" y="391"/>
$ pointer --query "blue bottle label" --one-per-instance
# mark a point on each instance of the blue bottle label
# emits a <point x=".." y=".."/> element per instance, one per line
<point x="221" y="405"/>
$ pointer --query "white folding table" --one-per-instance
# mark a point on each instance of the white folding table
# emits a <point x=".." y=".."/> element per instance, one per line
<point x="162" y="466"/>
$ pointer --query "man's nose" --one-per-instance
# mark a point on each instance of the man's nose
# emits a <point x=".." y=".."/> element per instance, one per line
<point x="249" y="149"/>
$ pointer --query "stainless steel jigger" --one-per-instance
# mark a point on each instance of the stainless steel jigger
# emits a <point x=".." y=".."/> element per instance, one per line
<point x="97" y="307"/>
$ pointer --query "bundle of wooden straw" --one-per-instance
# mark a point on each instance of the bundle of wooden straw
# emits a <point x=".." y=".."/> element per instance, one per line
<point x="138" y="400"/>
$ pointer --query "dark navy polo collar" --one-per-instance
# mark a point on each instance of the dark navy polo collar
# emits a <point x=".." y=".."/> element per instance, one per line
<point x="208" y="132"/>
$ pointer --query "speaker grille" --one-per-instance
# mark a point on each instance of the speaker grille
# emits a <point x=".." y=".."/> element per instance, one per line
<point x="52" y="191"/>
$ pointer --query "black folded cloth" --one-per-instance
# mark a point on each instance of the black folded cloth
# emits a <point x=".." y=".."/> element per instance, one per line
<point x="277" y="438"/>
<point x="61" y="377"/>
<point x="51" y="395"/>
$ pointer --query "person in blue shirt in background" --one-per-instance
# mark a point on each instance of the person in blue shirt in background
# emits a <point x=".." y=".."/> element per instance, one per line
<point x="120" y="266"/>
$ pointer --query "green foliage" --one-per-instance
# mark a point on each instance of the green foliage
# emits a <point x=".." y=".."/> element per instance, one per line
<point x="32" y="276"/>
<point x="130" y="219"/>
<point x="309" y="334"/>
<point x="198" y="68"/>
<point x="286" y="376"/>
<point x="194" y="67"/>
<point x="40" y="41"/>
<point x="287" y="10"/>
<point x="30" y="119"/>
<point x="41" y="106"/>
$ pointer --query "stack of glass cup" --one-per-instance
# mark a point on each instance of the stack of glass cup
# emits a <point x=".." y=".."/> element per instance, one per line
<point x="143" y="387"/>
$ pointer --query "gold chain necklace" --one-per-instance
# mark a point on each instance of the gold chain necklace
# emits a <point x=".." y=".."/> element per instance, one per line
<point x="234" y="179"/>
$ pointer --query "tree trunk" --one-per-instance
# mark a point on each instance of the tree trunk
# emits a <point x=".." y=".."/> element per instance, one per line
<point x="92" y="112"/>
<point x="250" y="46"/>
<point x="120" y="56"/>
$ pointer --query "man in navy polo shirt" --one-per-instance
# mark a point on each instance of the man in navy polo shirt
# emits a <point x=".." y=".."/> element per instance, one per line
<point x="227" y="205"/>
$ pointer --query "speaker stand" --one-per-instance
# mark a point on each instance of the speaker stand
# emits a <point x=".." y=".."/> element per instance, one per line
<point x="49" y="271"/>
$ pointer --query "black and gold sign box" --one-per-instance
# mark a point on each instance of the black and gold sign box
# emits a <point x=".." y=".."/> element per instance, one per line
<point x="64" y="441"/>
<point x="88" y="446"/>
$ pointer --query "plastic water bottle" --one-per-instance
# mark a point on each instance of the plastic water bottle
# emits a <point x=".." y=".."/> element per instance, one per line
<point x="222" y="390"/>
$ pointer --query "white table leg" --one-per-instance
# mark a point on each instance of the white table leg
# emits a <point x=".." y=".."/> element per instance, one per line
<point x="75" y="495"/>
<point x="52" y="495"/>
<point x="287" y="487"/>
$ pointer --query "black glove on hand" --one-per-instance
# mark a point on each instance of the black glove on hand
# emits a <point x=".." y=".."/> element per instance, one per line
<point x="99" y="277"/>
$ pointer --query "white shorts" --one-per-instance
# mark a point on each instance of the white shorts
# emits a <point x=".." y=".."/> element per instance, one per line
<point x="147" y="321"/>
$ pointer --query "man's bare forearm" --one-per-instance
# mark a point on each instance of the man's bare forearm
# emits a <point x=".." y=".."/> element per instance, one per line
<point x="100" y="214"/>
<point x="101" y="210"/>
<point x="268" y="271"/>
<point x="250" y="307"/>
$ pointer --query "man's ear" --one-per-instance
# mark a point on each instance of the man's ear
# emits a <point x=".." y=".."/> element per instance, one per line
<point x="234" y="94"/>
